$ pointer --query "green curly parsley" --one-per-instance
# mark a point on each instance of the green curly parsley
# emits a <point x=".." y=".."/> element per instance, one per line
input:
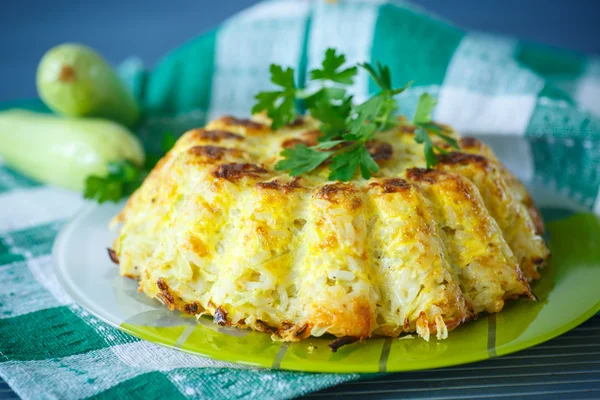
<point x="341" y="121"/>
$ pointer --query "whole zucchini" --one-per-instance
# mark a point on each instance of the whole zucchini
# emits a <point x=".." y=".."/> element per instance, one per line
<point x="64" y="151"/>
<point x="75" y="81"/>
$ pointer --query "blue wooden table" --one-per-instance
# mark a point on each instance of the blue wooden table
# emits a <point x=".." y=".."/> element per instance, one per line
<point x="567" y="367"/>
<point x="564" y="368"/>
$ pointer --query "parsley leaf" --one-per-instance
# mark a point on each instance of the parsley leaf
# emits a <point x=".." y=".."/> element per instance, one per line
<point x="328" y="144"/>
<point x="424" y="109"/>
<point x="382" y="78"/>
<point x="301" y="159"/>
<point x="366" y="163"/>
<point x="422" y="137"/>
<point x="330" y="104"/>
<point x="422" y="120"/>
<point x="280" y="104"/>
<point x="123" y="177"/>
<point x="332" y="117"/>
<point x="360" y="122"/>
<point x="381" y="75"/>
<point x="329" y="71"/>
<point x="344" y="164"/>
<point x="450" y="140"/>
<point x="325" y="95"/>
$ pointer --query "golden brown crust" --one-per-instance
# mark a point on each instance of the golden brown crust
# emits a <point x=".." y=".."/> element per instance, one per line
<point x="392" y="185"/>
<point x="471" y="143"/>
<point x="113" y="256"/>
<point x="342" y="194"/>
<point x="423" y="175"/>
<point x="192" y="308"/>
<point x="165" y="295"/>
<point x="251" y="127"/>
<point x="309" y="139"/>
<point x="290" y="332"/>
<point x="354" y="320"/>
<point x="463" y="159"/>
<point x="211" y="153"/>
<point x="280" y="185"/>
<point x="536" y="216"/>
<point x="335" y="191"/>
<point x="235" y="171"/>
<point x="214" y="135"/>
<point x="380" y="151"/>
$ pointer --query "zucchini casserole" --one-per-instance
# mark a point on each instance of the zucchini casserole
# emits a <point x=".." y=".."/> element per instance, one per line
<point x="216" y="230"/>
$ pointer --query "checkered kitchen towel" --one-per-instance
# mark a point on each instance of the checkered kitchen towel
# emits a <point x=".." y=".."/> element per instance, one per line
<point x="543" y="99"/>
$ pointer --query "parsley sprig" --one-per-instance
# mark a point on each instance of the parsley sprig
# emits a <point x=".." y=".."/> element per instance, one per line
<point x="280" y="104"/>
<point x="346" y="128"/>
<point x="123" y="176"/>
<point x="423" y="124"/>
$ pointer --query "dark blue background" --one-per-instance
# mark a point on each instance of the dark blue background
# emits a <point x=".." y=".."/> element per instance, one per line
<point x="150" y="28"/>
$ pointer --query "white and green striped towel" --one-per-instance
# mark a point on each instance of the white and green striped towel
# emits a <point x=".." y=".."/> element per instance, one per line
<point x="544" y="99"/>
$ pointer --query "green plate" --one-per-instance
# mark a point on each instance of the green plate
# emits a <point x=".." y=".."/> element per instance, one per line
<point x="568" y="295"/>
